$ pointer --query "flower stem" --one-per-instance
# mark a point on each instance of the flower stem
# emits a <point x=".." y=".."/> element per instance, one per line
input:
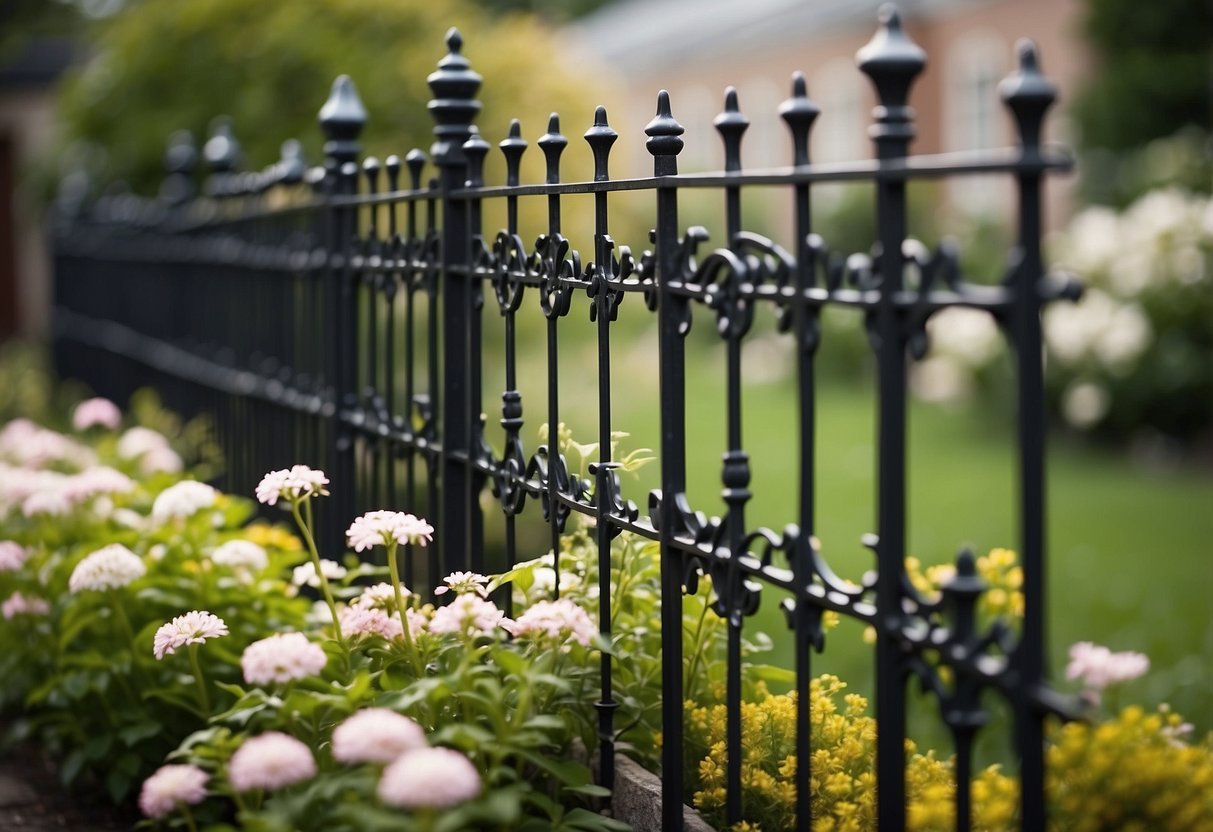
<point x="204" y="701"/>
<point x="410" y="645"/>
<point x="189" y="817"/>
<point x="306" y="529"/>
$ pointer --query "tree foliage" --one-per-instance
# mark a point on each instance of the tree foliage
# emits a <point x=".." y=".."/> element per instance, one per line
<point x="1155" y="73"/>
<point x="161" y="67"/>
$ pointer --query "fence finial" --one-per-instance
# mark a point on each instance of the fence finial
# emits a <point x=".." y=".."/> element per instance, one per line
<point x="731" y="124"/>
<point x="892" y="61"/>
<point x="1028" y="94"/>
<point x="291" y="166"/>
<point x="454" y="85"/>
<point x="512" y="147"/>
<point x="180" y="160"/>
<point x="553" y="143"/>
<point x="600" y="137"/>
<point x="342" y="118"/>
<point x="799" y="112"/>
<point x="665" y="137"/>
<point x="221" y="151"/>
<point x="475" y="149"/>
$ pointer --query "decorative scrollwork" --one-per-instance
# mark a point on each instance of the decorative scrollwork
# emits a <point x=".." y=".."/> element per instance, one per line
<point x="555" y="262"/>
<point x="605" y="278"/>
<point x="509" y="266"/>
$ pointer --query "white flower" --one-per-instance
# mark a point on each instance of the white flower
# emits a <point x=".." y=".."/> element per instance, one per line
<point x="431" y="778"/>
<point x="137" y="441"/>
<point x="381" y="528"/>
<point x="1085" y="403"/>
<point x="968" y="335"/>
<point x="160" y="461"/>
<point x="462" y="582"/>
<point x="182" y="500"/>
<point x="170" y="786"/>
<point x="468" y="615"/>
<point x="100" y="479"/>
<point x="376" y="735"/>
<point x="33" y="446"/>
<point x="305" y="574"/>
<point x="1097" y="667"/>
<point x="291" y="485"/>
<point x="241" y="555"/>
<point x="270" y="761"/>
<point x="281" y="658"/>
<point x="194" y="627"/>
<point x="558" y="619"/>
<point x="109" y="567"/>
<point x="92" y="412"/>
<point x="55" y="502"/>
<point x="940" y="379"/>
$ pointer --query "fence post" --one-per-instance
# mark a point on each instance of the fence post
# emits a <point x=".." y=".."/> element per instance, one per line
<point x="1028" y="94"/>
<point x="892" y="61"/>
<point x="342" y="118"/>
<point x="453" y="107"/>
<point x="665" y="143"/>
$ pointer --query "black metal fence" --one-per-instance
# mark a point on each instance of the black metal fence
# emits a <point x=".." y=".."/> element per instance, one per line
<point x="296" y="306"/>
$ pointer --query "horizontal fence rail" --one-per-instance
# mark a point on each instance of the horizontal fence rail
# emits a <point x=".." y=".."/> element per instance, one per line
<point x="335" y="315"/>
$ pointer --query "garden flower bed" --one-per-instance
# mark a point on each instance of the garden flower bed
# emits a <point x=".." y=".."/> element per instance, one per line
<point x="158" y="640"/>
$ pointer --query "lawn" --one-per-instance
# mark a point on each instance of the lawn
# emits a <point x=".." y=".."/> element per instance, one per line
<point x="1129" y="546"/>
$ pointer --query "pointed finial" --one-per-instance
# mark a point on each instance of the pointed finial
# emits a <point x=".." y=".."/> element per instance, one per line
<point x="454" y="105"/>
<point x="731" y="125"/>
<point x="600" y="138"/>
<point x="475" y="149"/>
<point x="799" y="112"/>
<point x="665" y="137"/>
<point x="512" y="147"/>
<point x="553" y="143"/>
<point x="342" y="118"/>
<point x="221" y="151"/>
<point x="415" y="161"/>
<point x="892" y="61"/>
<point x="1028" y="94"/>
<point x="291" y="166"/>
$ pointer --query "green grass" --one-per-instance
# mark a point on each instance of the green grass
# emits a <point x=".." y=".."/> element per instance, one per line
<point x="1130" y="551"/>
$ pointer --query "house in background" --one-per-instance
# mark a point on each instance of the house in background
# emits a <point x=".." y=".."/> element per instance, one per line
<point x="27" y="127"/>
<point x="695" y="48"/>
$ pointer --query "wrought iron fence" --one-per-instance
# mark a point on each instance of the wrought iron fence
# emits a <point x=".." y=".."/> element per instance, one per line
<point x="292" y="304"/>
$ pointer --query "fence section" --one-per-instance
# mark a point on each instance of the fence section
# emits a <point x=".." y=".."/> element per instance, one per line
<point x="293" y="303"/>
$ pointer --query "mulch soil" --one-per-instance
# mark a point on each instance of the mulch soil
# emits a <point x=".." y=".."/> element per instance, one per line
<point x="32" y="800"/>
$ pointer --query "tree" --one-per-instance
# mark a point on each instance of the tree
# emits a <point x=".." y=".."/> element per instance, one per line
<point x="161" y="67"/>
<point x="1155" y="73"/>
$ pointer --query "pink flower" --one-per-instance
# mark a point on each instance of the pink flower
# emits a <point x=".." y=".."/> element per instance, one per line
<point x="12" y="556"/>
<point x="109" y="567"/>
<point x="376" y="735"/>
<point x="282" y="658"/>
<point x="556" y="619"/>
<point x="137" y="441"/>
<point x="305" y="574"/>
<point x="468" y="615"/>
<point x="241" y="555"/>
<point x="432" y="778"/>
<point x="98" y="411"/>
<point x="160" y="461"/>
<point x="369" y="621"/>
<point x="381" y="528"/>
<point x="192" y="628"/>
<point x="172" y="785"/>
<point x="293" y="485"/>
<point x="1098" y="667"/>
<point x="18" y="604"/>
<point x="381" y="596"/>
<point x="463" y="582"/>
<point x="98" y="480"/>
<point x="270" y="761"/>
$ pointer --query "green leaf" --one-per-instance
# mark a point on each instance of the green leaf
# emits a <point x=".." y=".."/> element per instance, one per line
<point x="589" y="790"/>
<point x="772" y="673"/>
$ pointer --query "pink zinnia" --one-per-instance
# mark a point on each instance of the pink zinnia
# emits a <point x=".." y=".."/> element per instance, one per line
<point x="18" y="604"/>
<point x="270" y="761"/>
<point x="192" y="628"/>
<point x="97" y="411"/>
<point x="282" y="658"/>
<point x="431" y="778"/>
<point x="170" y="786"/>
<point x="12" y="555"/>
<point x="376" y="735"/>
<point x="557" y="620"/>
<point x="1097" y="666"/>
<point x="468" y="615"/>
